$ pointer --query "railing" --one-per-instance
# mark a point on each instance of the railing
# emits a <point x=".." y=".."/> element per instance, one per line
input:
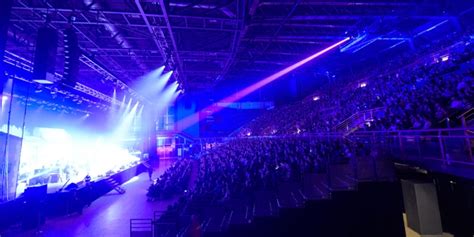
<point x="350" y="124"/>
<point x="449" y="147"/>
<point x="467" y="118"/>
<point x="141" y="228"/>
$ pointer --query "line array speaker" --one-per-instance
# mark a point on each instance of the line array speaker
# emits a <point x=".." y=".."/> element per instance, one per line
<point x="45" y="55"/>
<point x="5" y="10"/>
<point x="72" y="53"/>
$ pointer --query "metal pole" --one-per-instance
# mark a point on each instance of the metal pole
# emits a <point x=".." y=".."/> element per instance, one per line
<point x="400" y="145"/>
<point x="5" y="152"/>
<point x="441" y="148"/>
<point x="23" y="131"/>
<point x="467" y="139"/>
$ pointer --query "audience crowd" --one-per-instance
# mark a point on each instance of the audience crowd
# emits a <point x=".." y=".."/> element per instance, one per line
<point x="408" y="94"/>
<point x="173" y="181"/>
<point x="245" y="165"/>
<point x="420" y="95"/>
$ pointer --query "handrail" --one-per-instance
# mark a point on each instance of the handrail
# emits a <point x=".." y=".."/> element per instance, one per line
<point x="346" y="120"/>
<point x="428" y="136"/>
<point x="342" y="135"/>
<point x="356" y="116"/>
<point x="466" y="112"/>
<point x="418" y="130"/>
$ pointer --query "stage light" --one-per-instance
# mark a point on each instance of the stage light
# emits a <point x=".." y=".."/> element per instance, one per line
<point x="194" y="118"/>
<point x="315" y="98"/>
<point x="166" y="98"/>
<point x="153" y="83"/>
<point x="140" y="112"/>
<point x="123" y="101"/>
<point x="50" y="150"/>
<point x="4" y="101"/>
<point x="155" y="73"/>
<point x="445" y="58"/>
<point x="127" y="109"/>
<point x="158" y="87"/>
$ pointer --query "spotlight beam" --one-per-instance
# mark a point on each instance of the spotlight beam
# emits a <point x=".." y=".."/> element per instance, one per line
<point x="166" y="98"/>
<point x="125" y="124"/>
<point x="194" y="118"/>
<point x="153" y="83"/>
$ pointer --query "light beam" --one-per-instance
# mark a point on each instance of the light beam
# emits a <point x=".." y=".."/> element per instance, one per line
<point x="194" y="118"/>
<point x="166" y="98"/>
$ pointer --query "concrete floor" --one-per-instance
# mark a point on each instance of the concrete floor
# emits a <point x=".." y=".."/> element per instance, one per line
<point x="411" y="233"/>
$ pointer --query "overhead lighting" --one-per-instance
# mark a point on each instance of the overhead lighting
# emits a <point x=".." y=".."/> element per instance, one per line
<point x="43" y="81"/>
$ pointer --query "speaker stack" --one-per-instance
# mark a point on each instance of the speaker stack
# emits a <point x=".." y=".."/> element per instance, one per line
<point x="5" y="10"/>
<point x="45" y="56"/>
<point x="72" y="53"/>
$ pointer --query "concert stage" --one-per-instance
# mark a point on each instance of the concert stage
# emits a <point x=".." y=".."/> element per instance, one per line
<point x="30" y="214"/>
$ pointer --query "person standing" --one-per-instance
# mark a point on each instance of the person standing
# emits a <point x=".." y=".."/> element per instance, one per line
<point x="150" y="170"/>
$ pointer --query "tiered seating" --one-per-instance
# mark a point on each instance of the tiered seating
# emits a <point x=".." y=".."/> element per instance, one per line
<point x="421" y="95"/>
<point x="173" y="181"/>
<point x="300" y="184"/>
<point x="248" y="182"/>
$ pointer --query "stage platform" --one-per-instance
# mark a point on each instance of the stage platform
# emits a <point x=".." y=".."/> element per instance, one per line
<point x="107" y="216"/>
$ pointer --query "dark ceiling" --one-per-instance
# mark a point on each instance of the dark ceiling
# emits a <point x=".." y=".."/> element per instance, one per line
<point x="209" y="41"/>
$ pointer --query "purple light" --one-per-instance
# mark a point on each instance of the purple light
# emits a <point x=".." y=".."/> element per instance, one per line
<point x="194" y="118"/>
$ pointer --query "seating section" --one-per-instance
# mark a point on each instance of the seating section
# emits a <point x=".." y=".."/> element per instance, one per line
<point x="296" y="182"/>
<point x="414" y="94"/>
<point x="174" y="181"/>
<point x="245" y="180"/>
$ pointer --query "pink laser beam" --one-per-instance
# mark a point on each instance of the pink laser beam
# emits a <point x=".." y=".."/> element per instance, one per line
<point x="194" y="118"/>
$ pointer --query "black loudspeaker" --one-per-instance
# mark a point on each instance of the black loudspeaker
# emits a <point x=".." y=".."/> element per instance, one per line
<point x="45" y="55"/>
<point x="421" y="207"/>
<point x="5" y="10"/>
<point x="33" y="210"/>
<point x="72" y="53"/>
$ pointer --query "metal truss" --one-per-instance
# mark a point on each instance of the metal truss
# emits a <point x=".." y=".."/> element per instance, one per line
<point x="248" y="34"/>
<point x="27" y="65"/>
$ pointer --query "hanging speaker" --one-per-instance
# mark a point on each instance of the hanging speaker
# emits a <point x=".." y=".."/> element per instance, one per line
<point x="72" y="53"/>
<point x="45" y="56"/>
<point x="5" y="10"/>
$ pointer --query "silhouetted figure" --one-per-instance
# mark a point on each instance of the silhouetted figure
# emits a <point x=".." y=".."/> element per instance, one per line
<point x="150" y="172"/>
<point x="87" y="191"/>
